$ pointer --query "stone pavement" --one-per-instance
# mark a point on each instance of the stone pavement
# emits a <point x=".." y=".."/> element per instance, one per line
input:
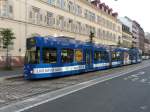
<point x="15" y="72"/>
<point x="17" y="89"/>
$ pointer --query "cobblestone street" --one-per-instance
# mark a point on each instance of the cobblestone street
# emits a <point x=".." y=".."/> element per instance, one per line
<point x="16" y="89"/>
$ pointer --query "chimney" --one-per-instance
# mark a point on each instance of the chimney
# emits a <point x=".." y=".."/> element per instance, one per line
<point x="115" y="14"/>
<point x="96" y="3"/>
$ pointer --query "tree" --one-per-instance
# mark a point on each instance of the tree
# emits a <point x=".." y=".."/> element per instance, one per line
<point x="7" y="37"/>
<point x="35" y="34"/>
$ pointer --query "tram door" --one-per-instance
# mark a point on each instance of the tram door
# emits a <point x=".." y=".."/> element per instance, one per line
<point x="88" y="59"/>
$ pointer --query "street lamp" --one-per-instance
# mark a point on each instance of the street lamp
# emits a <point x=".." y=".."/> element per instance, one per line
<point x="91" y="36"/>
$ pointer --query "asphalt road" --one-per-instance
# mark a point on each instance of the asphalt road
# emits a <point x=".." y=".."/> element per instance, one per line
<point x="128" y="93"/>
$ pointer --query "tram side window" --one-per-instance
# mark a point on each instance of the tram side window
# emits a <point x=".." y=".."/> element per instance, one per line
<point x="104" y="56"/>
<point x="97" y="56"/>
<point x="118" y="55"/>
<point x="49" y="55"/>
<point x="67" y="55"/>
<point x="131" y="57"/>
<point x="114" y="56"/>
<point x="78" y="55"/>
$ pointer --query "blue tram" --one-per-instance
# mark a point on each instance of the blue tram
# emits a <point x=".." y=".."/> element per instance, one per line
<point x="60" y="56"/>
<point x="120" y="56"/>
<point x="116" y="57"/>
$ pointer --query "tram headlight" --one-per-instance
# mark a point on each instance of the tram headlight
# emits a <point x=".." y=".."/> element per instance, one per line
<point x="31" y="71"/>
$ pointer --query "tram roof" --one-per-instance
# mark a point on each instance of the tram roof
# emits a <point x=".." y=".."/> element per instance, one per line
<point x="121" y="49"/>
<point x="135" y="50"/>
<point x="50" y="40"/>
<point x="64" y="41"/>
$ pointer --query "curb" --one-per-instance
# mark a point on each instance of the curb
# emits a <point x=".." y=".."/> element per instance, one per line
<point x="11" y="77"/>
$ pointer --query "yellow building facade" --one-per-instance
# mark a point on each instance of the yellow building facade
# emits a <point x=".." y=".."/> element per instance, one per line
<point x="72" y="18"/>
<point x="127" y="38"/>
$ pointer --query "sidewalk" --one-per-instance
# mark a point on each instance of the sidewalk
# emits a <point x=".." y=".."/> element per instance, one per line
<point x="12" y="73"/>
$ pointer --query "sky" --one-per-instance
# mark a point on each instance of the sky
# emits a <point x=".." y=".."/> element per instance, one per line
<point x="138" y="10"/>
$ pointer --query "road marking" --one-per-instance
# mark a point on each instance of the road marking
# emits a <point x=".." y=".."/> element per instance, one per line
<point x="135" y="75"/>
<point x="143" y="80"/>
<point x="125" y="78"/>
<point x="141" y="73"/>
<point x="143" y="107"/>
<point x="2" y="101"/>
<point x="134" y="79"/>
<point x="44" y="98"/>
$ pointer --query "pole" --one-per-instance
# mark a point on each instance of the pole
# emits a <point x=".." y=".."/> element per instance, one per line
<point x="110" y="56"/>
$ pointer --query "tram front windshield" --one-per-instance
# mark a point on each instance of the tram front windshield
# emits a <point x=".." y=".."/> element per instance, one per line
<point x="32" y="56"/>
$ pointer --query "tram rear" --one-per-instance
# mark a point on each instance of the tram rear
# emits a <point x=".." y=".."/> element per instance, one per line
<point x="136" y="55"/>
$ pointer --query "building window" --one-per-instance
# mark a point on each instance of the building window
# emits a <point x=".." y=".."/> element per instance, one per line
<point x="34" y="15"/>
<point x="77" y="10"/>
<point x="64" y="24"/>
<point x="50" y="19"/>
<point x="41" y="18"/>
<point x="92" y="16"/>
<point x="6" y="8"/>
<point x="58" y="3"/>
<point x="78" y="27"/>
<point x="70" y="25"/>
<point x="99" y="33"/>
<point x="63" y="4"/>
<point x="70" y="6"/>
<point x="89" y="15"/>
<point x="107" y="35"/>
<point x="1" y="43"/>
<point x="60" y="22"/>
<point x="99" y="19"/>
<point x="87" y="29"/>
<point x="30" y="15"/>
<point x="52" y="2"/>
<point x="10" y="9"/>
<point x="83" y="29"/>
<point x="85" y="14"/>
<point x="103" y="34"/>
